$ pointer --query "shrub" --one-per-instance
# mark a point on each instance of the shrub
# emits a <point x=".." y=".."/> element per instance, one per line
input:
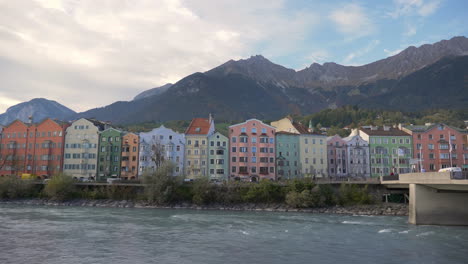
<point x="203" y="192"/>
<point x="351" y="194"/>
<point x="264" y="192"/>
<point x="13" y="187"/>
<point x="160" y="186"/>
<point x="60" y="187"/>
<point x="328" y="195"/>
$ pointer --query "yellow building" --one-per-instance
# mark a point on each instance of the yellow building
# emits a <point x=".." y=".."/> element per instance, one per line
<point x="196" y="147"/>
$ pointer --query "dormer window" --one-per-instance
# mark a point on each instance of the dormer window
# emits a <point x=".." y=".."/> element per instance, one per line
<point x="197" y="129"/>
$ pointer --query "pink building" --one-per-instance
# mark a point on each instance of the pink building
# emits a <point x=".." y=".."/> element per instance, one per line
<point x="438" y="146"/>
<point x="337" y="156"/>
<point x="252" y="153"/>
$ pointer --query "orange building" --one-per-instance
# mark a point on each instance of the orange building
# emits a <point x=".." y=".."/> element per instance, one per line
<point x="35" y="149"/>
<point x="130" y="150"/>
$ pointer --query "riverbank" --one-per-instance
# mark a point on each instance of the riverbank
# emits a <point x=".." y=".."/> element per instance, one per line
<point x="389" y="209"/>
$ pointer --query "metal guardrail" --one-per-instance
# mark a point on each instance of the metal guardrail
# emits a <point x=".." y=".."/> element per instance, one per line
<point x="348" y="180"/>
<point x="395" y="177"/>
<point x="459" y="175"/>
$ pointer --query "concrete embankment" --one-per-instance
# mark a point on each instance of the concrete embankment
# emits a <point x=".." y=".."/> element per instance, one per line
<point x="390" y="209"/>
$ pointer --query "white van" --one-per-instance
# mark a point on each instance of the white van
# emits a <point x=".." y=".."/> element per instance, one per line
<point x="451" y="169"/>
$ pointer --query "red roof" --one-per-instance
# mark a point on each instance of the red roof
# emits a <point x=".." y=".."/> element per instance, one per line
<point x="198" y="126"/>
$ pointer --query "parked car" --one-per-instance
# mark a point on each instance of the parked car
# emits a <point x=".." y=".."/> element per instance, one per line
<point x="451" y="169"/>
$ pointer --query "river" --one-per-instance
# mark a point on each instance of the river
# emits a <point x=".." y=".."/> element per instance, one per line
<point x="67" y="235"/>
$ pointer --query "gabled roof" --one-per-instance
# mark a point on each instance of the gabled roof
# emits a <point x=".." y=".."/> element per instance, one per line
<point x="58" y="122"/>
<point x="252" y="119"/>
<point x="421" y="128"/>
<point x="381" y="132"/>
<point x="198" y="126"/>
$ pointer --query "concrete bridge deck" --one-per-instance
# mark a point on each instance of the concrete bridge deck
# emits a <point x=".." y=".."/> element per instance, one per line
<point x="436" y="198"/>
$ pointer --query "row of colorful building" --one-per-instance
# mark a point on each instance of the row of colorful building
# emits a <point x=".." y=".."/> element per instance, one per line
<point x="252" y="150"/>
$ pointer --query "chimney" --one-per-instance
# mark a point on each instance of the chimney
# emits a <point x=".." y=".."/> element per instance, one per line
<point x="400" y="126"/>
<point x="386" y="128"/>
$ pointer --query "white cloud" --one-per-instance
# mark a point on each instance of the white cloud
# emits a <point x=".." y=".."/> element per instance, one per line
<point x="352" y="20"/>
<point x="414" y="7"/>
<point x="392" y="52"/>
<point x="90" y="53"/>
<point x="410" y="30"/>
<point x="351" y="57"/>
<point x="318" y="56"/>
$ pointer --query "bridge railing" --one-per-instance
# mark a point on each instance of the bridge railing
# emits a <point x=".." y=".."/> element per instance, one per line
<point x="459" y="175"/>
<point x="395" y="177"/>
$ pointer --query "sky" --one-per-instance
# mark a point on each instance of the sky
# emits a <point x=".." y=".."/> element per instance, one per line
<point x="87" y="53"/>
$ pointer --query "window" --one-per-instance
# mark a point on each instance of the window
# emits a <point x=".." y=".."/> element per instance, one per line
<point x="103" y="139"/>
<point x="243" y="139"/>
<point x="263" y="170"/>
<point x="254" y="130"/>
<point x="243" y="170"/>
<point x="254" y="149"/>
<point x="254" y="140"/>
<point x="233" y="149"/>
<point x="233" y="169"/>
<point x="243" y="130"/>
<point x="430" y="146"/>
<point x="254" y="159"/>
<point x="233" y="159"/>
<point x="234" y="139"/>
<point x="430" y="136"/>
<point x="243" y="149"/>
<point x="253" y="169"/>
<point x="306" y="141"/>
<point x="212" y="143"/>
<point x="263" y="130"/>
<point x="189" y="142"/>
<point x="444" y="155"/>
<point x="443" y="146"/>
<point x="431" y="155"/>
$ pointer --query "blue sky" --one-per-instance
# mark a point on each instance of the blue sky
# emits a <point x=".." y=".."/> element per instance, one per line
<point x="89" y="53"/>
<point x="382" y="29"/>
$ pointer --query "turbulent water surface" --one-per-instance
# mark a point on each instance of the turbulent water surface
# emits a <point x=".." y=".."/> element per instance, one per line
<point x="109" y="235"/>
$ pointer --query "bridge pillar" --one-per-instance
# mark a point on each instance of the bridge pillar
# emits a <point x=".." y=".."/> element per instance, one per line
<point x="429" y="206"/>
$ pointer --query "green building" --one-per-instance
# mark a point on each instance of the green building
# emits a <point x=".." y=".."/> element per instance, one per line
<point x="287" y="155"/>
<point x="391" y="150"/>
<point x="110" y="150"/>
<point x="218" y="156"/>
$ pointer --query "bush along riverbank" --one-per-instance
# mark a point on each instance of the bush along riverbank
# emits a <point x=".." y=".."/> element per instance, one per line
<point x="160" y="190"/>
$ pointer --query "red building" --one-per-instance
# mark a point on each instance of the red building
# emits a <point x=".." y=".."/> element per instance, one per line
<point x="253" y="151"/>
<point x="439" y="146"/>
<point x="35" y="149"/>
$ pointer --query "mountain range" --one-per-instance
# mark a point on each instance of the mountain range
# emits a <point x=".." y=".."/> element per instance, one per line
<point x="429" y="76"/>
<point x="39" y="109"/>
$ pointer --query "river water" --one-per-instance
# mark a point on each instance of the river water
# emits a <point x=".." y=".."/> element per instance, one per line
<point x="113" y="235"/>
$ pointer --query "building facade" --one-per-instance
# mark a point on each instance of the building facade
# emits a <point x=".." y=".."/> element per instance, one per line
<point x="196" y="147"/>
<point x="337" y="157"/>
<point x="109" y="155"/>
<point x="252" y="150"/>
<point x="312" y="147"/>
<point x="35" y="149"/>
<point x="218" y="156"/>
<point x="391" y="150"/>
<point x="159" y="145"/>
<point x="81" y="148"/>
<point x="358" y="155"/>
<point x="287" y="156"/>
<point x="129" y="160"/>
<point x="438" y="146"/>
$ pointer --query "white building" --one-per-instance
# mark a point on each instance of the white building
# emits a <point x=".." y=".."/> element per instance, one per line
<point x="81" y="148"/>
<point x="358" y="155"/>
<point x="159" y="145"/>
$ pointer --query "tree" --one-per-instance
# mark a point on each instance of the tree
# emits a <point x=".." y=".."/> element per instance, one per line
<point x="160" y="185"/>
<point x="60" y="187"/>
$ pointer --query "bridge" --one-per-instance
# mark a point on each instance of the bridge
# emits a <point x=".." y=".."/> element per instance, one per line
<point x="435" y="198"/>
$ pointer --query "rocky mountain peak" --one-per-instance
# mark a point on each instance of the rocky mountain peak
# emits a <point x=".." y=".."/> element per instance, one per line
<point x="38" y="108"/>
